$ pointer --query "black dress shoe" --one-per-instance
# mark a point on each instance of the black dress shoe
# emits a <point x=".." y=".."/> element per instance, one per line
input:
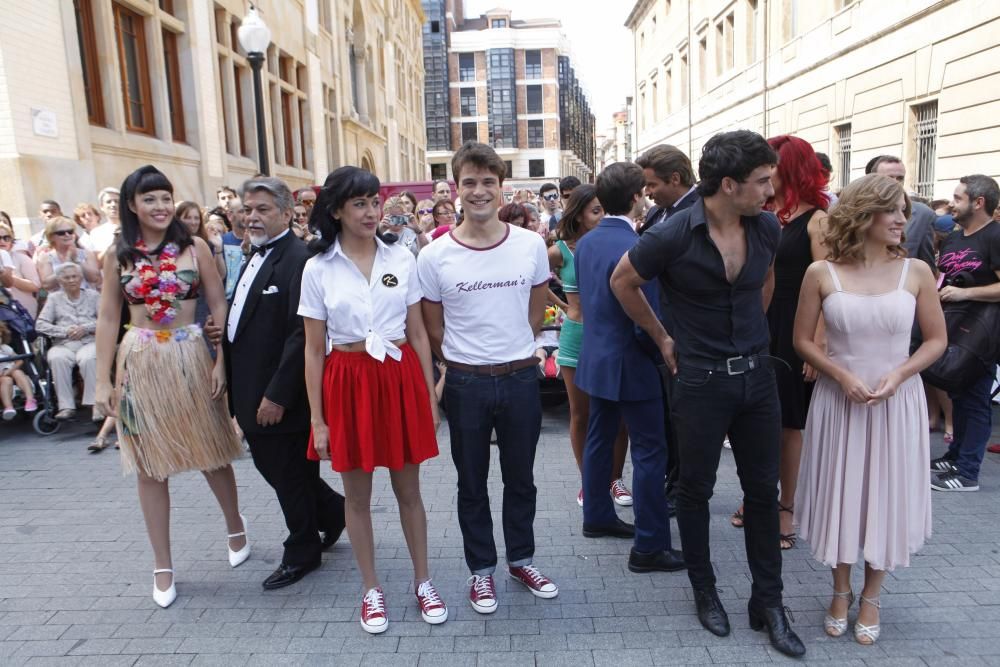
<point x="711" y="613"/>
<point x="618" y="529"/>
<point x="330" y="537"/>
<point x="287" y="575"/>
<point x="783" y="638"/>
<point x="668" y="560"/>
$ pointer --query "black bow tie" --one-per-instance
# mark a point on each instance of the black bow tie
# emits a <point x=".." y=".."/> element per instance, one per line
<point x="261" y="249"/>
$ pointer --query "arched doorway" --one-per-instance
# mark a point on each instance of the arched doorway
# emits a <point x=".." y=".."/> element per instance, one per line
<point x="366" y="163"/>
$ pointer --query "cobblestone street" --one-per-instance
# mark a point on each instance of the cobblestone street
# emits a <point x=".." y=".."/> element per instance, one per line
<point x="75" y="579"/>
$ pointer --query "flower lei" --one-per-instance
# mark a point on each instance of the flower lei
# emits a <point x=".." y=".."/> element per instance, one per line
<point x="159" y="283"/>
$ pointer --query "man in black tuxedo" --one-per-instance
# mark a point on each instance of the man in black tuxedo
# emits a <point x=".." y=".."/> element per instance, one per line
<point x="264" y="343"/>
<point x="669" y="182"/>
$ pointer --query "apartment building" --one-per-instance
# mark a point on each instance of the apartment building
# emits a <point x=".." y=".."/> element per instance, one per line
<point x="856" y="78"/>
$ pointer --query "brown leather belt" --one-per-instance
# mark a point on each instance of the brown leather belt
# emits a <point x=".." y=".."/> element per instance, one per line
<point x="494" y="370"/>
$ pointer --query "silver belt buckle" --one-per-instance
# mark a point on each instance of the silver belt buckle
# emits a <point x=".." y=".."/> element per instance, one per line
<point x="729" y="366"/>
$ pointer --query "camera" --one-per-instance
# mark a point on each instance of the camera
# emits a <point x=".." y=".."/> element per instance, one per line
<point x="397" y="220"/>
<point x="961" y="279"/>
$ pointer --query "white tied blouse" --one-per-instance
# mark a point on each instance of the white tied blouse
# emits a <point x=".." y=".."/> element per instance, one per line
<point x="334" y="290"/>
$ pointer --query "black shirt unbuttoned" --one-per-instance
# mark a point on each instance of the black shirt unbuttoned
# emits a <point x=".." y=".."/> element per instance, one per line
<point x="711" y="317"/>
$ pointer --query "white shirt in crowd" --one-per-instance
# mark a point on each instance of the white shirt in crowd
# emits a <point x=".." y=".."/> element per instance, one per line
<point x="485" y="293"/>
<point x="335" y="291"/>
<point x="102" y="236"/>
<point x="243" y="288"/>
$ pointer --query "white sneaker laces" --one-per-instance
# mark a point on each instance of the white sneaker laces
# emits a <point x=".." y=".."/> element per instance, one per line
<point x="429" y="594"/>
<point x="482" y="585"/>
<point x="374" y="602"/>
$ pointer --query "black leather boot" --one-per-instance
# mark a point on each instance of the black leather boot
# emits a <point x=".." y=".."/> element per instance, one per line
<point x="783" y="638"/>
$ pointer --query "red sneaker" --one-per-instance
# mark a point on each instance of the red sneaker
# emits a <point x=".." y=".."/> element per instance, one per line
<point x="621" y="494"/>
<point x="539" y="585"/>
<point x="432" y="607"/>
<point x="994" y="449"/>
<point x="482" y="593"/>
<point x="373" y="616"/>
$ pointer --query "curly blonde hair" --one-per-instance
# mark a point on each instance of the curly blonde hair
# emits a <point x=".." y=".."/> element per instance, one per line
<point x="852" y="216"/>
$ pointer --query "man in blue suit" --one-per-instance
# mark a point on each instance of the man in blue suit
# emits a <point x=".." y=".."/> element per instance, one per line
<point x="623" y="383"/>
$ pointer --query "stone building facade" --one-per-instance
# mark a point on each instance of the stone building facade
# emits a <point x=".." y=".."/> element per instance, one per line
<point x="856" y="78"/>
<point x="507" y="83"/>
<point x="92" y="89"/>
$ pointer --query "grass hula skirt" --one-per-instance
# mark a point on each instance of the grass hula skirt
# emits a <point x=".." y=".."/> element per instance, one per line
<point x="168" y="421"/>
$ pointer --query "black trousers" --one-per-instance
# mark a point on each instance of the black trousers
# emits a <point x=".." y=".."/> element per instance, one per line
<point x="673" y="465"/>
<point x="308" y="503"/>
<point x="704" y="406"/>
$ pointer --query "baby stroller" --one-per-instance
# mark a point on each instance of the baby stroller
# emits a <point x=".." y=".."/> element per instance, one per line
<point x="23" y="334"/>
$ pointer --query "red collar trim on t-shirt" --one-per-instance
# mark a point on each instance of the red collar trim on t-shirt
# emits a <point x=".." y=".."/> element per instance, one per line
<point x="451" y="234"/>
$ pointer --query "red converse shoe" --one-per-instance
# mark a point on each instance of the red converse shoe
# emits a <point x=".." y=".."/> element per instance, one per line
<point x="622" y="496"/>
<point x="373" y="616"/>
<point x="537" y="583"/>
<point x="432" y="607"/>
<point x="482" y="594"/>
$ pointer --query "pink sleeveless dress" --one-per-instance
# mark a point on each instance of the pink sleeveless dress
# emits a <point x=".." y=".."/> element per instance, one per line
<point x="864" y="478"/>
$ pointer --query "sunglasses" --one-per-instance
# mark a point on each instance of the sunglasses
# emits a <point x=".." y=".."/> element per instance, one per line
<point x="425" y="211"/>
<point x="550" y="197"/>
<point x="6" y="239"/>
<point x="64" y="232"/>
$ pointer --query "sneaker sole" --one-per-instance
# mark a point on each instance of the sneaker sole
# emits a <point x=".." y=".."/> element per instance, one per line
<point x="623" y="503"/>
<point x="436" y="620"/>
<point x="538" y="594"/>
<point x="484" y="610"/>
<point x="959" y="490"/>
<point x="375" y="629"/>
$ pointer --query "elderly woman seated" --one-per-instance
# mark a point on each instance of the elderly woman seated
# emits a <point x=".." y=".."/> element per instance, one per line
<point x="70" y="319"/>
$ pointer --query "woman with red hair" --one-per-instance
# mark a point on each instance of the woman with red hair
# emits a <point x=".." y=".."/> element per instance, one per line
<point x="800" y="204"/>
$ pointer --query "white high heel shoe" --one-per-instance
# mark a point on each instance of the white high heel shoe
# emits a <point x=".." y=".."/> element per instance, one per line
<point x="238" y="557"/>
<point x="868" y="634"/>
<point x="835" y="627"/>
<point x="167" y="597"/>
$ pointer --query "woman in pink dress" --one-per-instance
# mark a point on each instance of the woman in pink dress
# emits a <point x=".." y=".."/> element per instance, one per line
<point x="864" y="480"/>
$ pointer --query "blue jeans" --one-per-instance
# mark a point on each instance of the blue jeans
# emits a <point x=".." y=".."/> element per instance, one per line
<point x="973" y="418"/>
<point x="510" y="405"/>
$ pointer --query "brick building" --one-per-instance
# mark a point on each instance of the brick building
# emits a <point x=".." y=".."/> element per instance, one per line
<point x="510" y="84"/>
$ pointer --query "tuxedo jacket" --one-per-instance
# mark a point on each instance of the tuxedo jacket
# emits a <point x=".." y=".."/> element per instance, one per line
<point x="613" y="365"/>
<point x="267" y="355"/>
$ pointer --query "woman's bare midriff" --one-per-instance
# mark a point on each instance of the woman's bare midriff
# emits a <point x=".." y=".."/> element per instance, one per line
<point x="359" y="345"/>
<point x="185" y="316"/>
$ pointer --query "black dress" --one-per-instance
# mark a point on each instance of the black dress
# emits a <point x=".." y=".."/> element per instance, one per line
<point x="793" y="257"/>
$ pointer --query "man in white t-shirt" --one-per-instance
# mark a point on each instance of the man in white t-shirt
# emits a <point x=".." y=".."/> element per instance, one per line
<point x="484" y="288"/>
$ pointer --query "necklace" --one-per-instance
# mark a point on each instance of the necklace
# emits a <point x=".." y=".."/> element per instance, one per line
<point x="159" y="283"/>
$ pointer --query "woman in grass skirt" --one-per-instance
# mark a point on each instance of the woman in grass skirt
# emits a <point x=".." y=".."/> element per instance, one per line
<point x="370" y="396"/>
<point x="169" y="392"/>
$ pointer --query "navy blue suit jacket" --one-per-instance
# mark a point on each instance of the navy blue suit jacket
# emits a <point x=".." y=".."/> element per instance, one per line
<point x="612" y="364"/>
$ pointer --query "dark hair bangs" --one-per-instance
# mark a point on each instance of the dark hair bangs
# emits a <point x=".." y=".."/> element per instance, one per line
<point x="152" y="181"/>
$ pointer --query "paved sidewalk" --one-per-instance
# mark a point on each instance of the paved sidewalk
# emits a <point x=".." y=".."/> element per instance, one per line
<point x="75" y="579"/>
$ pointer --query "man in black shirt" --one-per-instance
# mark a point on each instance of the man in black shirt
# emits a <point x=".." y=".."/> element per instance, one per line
<point x="714" y="263"/>
<point x="970" y="263"/>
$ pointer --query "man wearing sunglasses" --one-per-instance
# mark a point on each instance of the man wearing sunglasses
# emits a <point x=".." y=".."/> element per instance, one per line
<point x="549" y="195"/>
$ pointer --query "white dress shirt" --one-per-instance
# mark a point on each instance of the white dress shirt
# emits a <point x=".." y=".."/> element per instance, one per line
<point x="243" y="287"/>
<point x="335" y="291"/>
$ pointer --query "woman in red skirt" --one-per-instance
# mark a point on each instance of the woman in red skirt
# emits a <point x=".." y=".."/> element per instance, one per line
<point x="370" y="396"/>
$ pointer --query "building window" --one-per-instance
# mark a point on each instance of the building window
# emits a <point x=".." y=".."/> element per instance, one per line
<point x="131" y="37"/>
<point x="702" y="62"/>
<point x="498" y="23"/>
<point x="167" y="6"/>
<point x="926" y="116"/>
<point x="470" y="132"/>
<point x="536" y="134"/>
<point x="655" y="101"/>
<point x="533" y="64"/>
<point x="843" y="154"/>
<point x="501" y="96"/>
<point x="175" y="99"/>
<point x="467" y="101"/>
<point x="685" y="78"/>
<point x="751" y="31"/>
<point x="435" y="26"/>
<point x="509" y="166"/>
<point x="466" y="67"/>
<point x="789" y="19"/>
<point x="668" y="86"/>
<point x="325" y="17"/>
<point x="88" y="58"/>
<point x="439" y="172"/>
<point x="536" y="168"/>
<point x="241" y="133"/>
<point x="534" y="99"/>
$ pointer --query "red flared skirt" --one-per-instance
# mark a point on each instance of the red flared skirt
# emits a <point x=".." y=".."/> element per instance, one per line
<point x="378" y="413"/>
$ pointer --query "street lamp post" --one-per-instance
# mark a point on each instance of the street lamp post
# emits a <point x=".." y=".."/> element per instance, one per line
<point x="255" y="37"/>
